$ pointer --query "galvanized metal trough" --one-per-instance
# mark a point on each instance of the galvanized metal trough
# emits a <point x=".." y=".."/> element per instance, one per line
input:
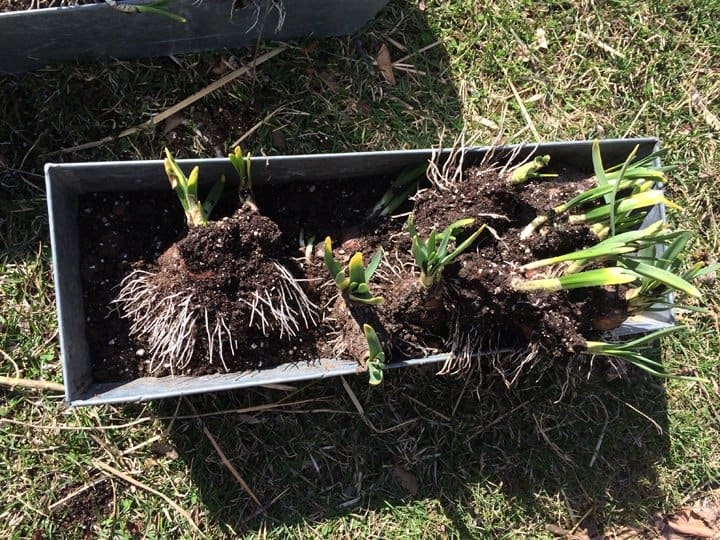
<point x="34" y="38"/>
<point x="66" y="182"/>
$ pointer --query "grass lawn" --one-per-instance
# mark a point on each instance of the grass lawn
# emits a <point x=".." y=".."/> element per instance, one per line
<point x="428" y="457"/>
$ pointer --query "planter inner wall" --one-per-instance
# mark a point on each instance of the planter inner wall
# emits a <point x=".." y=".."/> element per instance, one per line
<point x="65" y="183"/>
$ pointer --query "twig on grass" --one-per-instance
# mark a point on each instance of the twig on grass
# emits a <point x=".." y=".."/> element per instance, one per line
<point x="258" y="125"/>
<point x="130" y="480"/>
<point x="361" y="411"/>
<point x="31" y="384"/>
<point x="161" y="116"/>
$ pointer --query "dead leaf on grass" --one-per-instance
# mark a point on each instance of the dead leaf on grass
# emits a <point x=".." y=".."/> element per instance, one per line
<point x="172" y="122"/>
<point x="707" y="513"/>
<point x="710" y="118"/>
<point x="221" y="67"/>
<point x="278" y="140"/>
<point x="164" y="448"/>
<point x="688" y="522"/>
<point x="407" y="479"/>
<point x="329" y="80"/>
<point x="134" y="527"/>
<point x="384" y="62"/>
<point x="540" y="40"/>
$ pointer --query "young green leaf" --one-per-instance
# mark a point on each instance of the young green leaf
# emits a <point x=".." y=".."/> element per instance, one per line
<point x="357" y="268"/>
<point x="376" y="356"/>
<point x="186" y="189"/>
<point x="599" y="277"/>
<point x="655" y="273"/>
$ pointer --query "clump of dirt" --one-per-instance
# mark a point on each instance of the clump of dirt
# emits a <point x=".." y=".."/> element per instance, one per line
<point x="80" y="513"/>
<point x="245" y="256"/>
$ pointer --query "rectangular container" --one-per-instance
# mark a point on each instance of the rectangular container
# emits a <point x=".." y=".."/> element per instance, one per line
<point x="34" y="38"/>
<point x="65" y="183"/>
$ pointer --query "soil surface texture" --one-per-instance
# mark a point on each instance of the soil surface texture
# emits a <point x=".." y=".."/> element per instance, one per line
<point x="239" y="271"/>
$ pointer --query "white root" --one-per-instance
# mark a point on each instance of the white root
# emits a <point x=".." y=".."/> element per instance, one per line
<point x="269" y="6"/>
<point x="168" y="323"/>
<point x="284" y="307"/>
<point x="464" y="347"/>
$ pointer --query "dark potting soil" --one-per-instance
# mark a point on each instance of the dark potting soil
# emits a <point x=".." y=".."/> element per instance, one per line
<point x="239" y="254"/>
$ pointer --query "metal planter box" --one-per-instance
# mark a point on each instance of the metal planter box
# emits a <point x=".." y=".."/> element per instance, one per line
<point x="65" y="183"/>
<point x="34" y="38"/>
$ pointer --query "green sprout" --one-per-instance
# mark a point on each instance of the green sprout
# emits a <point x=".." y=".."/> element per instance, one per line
<point x="633" y="179"/>
<point x="241" y="163"/>
<point x="629" y="270"/>
<point x="355" y="280"/>
<point x="598" y="277"/>
<point x="631" y="351"/>
<point x="653" y="293"/>
<point x="186" y="188"/>
<point x="433" y="255"/>
<point x="530" y="170"/>
<point x="157" y="7"/>
<point x="306" y="242"/>
<point x="610" y="248"/>
<point x="376" y="356"/>
<point x="608" y="219"/>
<point x="400" y="189"/>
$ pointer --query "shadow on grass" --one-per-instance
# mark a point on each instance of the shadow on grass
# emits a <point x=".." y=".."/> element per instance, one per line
<point x="484" y="452"/>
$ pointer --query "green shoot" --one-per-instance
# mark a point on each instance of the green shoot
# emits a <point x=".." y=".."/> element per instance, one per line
<point x="654" y="291"/>
<point x="656" y="275"/>
<point x="400" y="189"/>
<point x="186" y="188"/>
<point x="631" y="178"/>
<point x="530" y="170"/>
<point x="621" y="216"/>
<point x="599" y="277"/>
<point x="631" y="351"/>
<point x="609" y="248"/>
<point x="241" y="163"/>
<point x="157" y="7"/>
<point x="376" y="356"/>
<point x="355" y="280"/>
<point x="306" y="242"/>
<point x="433" y="255"/>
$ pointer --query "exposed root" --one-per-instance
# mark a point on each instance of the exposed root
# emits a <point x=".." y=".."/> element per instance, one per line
<point x="518" y="362"/>
<point x="464" y="347"/>
<point x="167" y="323"/>
<point x="285" y="308"/>
<point x="338" y="344"/>
<point x="467" y="347"/>
<point x="444" y="173"/>
<point x="263" y="8"/>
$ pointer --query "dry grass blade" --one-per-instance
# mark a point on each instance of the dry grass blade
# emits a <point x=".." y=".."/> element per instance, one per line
<point x="130" y="480"/>
<point x="31" y="384"/>
<point x="524" y="112"/>
<point x="224" y="458"/>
